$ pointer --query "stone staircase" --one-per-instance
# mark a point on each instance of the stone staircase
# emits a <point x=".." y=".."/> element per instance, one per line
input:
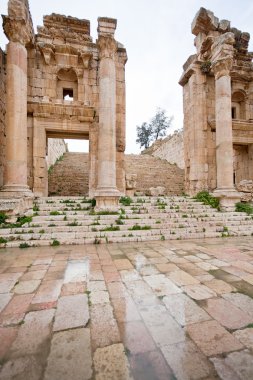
<point x="72" y="220"/>
<point x="152" y="172"/>
<point x="70" y="176"/>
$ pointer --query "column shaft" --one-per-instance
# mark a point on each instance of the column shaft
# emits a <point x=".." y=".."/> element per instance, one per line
<point x="15" y="178"/>
<point x="107" y="126"/>
<point x="224" y="138"/>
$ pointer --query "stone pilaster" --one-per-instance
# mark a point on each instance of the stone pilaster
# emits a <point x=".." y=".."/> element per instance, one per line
<point x="18" y="29"/>
<point x="107" y="194"/>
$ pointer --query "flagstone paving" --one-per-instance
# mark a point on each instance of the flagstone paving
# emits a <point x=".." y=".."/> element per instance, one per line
<point x="141" y="311"/>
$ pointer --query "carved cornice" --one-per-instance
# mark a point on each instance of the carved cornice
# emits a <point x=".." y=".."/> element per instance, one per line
<point x="107" y="47"/>
<point x="16" y="30"/>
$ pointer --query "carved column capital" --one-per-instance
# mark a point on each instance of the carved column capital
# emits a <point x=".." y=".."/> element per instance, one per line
<point x="107" y="47"/>
<point x="16" y="30"/>
<point x="222" y="67"/>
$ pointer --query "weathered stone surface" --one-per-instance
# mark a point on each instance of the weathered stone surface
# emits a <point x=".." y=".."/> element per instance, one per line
<point x="227" y="314"/>
<point x="104" y="329"/>
<point x="156" y="191"/>
<point x="182" y="278"/>
<point x="17" y="369"/>
<point x="161" y="285"/>
<point x="33" y="333"/>
<point x="241" y="363"/>
<point x="4" y="300"/>
<point x="199" y="292"/>
<point x="25" y="287"/>
<point x="212" y="339"/>
<point x="184" y="310"/>
<point x="16" y="308"/>
<point x="48" y="293"/>
<point x="72" y="311"/>
<point x="8" y="335"/>
<point x="245" y="337"/>
<point x="67" y="349"/>
<point x="186" y="361"/>
<point x="111" y="363"/>
<point x="136" y="337"/>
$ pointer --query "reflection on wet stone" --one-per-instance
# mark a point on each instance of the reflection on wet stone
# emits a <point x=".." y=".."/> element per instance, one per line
<point x="141" y="311"/>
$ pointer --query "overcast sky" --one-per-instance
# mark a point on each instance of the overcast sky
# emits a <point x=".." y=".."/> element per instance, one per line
<point x="158" y="39"/>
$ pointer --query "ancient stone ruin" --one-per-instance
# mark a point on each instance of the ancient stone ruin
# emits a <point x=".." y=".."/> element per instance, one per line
<point x="218" y="109"/>
<point x="60" y="84"/>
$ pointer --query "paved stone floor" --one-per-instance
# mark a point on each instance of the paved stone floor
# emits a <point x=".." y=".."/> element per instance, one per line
<point x="144" y="311"/>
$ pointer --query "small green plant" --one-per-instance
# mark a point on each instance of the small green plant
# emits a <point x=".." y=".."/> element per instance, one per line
<point x="73" y="224"/>
<point x="36" y="207"/>
<point x="105" y="212"/>
<point x="51" y="225"/>
<point x="244" y="207"/>
<point x="93" y="202"/>
<point x="55" y="243"/>
<point x="157" y="221"/>
<point x="137" y="227"/>
<point x="3" y="217"/>
<point x="3" y="240"/>
<point x="225" y="229"/>
<point x="250" y="325"/>
<point x="41" y="231"/>
<point x="207" y="199"/>
<point x="184" y="216"/>
<point x="111" y="228"/>
<point x="65" y="218"/>
<point x="24" y="245"/>
<point x="162" y="237"/>
<point x="205" y="67"/>
<point x="97" y="241"/>
<point x="55" y="213"/>
<point x="126" y="201"/>
<point x="119" y="221"/>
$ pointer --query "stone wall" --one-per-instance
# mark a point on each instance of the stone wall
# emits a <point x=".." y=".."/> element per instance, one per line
<point x="171" y="149"/>
<point x="2" y="113"/>
<point x="241" y="163"/>
<point x="55" y="149"/>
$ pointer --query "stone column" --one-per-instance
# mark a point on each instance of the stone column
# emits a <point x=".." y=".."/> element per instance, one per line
<point x="224" y="135"/>
<point x="15" y="177"/>
<point x="107" y="194"/>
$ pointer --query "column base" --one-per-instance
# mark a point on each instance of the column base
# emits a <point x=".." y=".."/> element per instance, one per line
<point x="15" y="191"/>
<point x="16" y="200"/>
<point x="228" y="198"/>
<point x="107" y="200"/>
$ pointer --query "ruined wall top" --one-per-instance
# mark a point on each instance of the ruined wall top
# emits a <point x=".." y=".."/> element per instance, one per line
<point x="66" y="27"/>
<point x="220" y="47"/>
<point x="18" y="25"/>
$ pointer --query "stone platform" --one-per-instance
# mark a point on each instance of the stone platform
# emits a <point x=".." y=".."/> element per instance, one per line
<point x="152" y="310"/>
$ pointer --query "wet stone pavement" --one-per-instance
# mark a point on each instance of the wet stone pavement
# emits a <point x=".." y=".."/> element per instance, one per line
<point x="145" y="311"/>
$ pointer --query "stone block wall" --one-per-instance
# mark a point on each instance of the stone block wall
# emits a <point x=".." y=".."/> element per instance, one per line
<point x="2" y="113"/>
<point x="55" y="149"/>
<point x="171" y="149"/>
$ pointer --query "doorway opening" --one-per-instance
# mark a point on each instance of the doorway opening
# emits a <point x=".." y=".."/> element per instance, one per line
<point x="68" y="166"/>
